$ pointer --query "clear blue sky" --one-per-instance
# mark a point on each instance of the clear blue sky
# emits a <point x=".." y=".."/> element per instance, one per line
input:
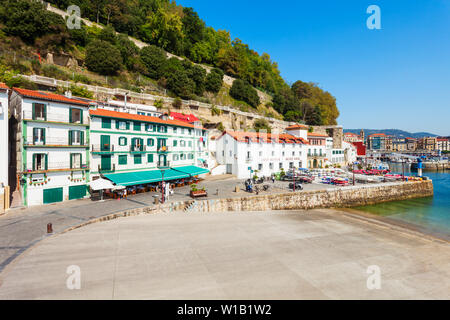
<point x="396" y="77"/>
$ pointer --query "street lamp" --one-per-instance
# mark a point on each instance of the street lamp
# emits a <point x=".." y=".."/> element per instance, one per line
<point x="163" y="166"/>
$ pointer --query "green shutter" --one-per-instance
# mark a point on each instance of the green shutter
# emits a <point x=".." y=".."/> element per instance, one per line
<point x="33" y="111"/>
<point x="34" y="162"/>
<point x="43" y="135"/>
<point x="117" y="124"/>
<point x="150" y="158"/>
<point x="136" y="126"/>
<point x="106" y="123"/>
<point x="46" y="162"/>
<point x="174" y="143"/>
<point x="128" y="125"/>
<point x="71" y="161"/>
<point x="70" y="137"/>
<point x="45" y="112"/>
<point x="70" y="115"/>
<point x="81" y="116"/>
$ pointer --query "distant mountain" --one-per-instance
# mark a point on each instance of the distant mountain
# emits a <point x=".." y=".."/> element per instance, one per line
<point x="393" y="132"/>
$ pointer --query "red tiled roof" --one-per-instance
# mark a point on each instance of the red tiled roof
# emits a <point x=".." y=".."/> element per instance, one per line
<point x="297" y="126"/>
<point x="377" y="135"/>
<point x="184" y="117"/>
<point x="350" y="134"/>
<point x="48" y="96"/>
<point x="264" y="137"/>
<point x="3" y="86"/>
<point x="138" y="117"/>
<point x="320" y="135"/>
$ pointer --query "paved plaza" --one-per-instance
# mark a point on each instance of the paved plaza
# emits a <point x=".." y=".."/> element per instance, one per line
<point x="315" y="254"/>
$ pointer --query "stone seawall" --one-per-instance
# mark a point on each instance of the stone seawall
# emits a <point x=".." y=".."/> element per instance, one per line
<point x="344" y="197"/>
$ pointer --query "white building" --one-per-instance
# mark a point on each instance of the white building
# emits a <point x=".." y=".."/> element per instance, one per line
<point x="129" y="149"/>
<point x="350" y="153"/>
<point x="52" y="160"/>
<point x="262" y="153"/>
<point x="4" y="152"/>
<point x="134" y="108"/>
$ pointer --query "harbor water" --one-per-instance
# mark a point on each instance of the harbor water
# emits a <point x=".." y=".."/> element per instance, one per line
<point x="430" y="215"/>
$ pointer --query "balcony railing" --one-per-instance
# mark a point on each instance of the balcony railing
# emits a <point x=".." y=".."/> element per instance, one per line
<point x="163" y="149"/>
<point x="51" y="141"/>
<point x="163" y="164"/>
<point x="138" y="148"/>
<point x="54" y="166"/>
<point x="107" y="169"/>
<point x="54" y="117"/>
<point x="102" y="148"/>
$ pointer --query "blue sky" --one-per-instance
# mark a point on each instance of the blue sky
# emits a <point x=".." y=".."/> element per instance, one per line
<point x="396" y="77"/>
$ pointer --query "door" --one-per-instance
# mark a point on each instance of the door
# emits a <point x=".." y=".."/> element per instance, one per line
<point x="162" y="160"/>
<point x="77" y="192"/>
<point x="53" y="195"/>
<point x="104" y="143"/>
<point x="106" y="162"/>
<point x="229" y="169"/>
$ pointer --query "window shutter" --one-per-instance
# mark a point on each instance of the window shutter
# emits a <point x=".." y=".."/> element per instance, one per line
<point x="34" y="134"/>
<point x="33" y="111"/>
<point x="125" y="141"/>
<point x="70" y="137"/>
<point x="128" y="125"/>
<point x="43" y="136"/>
<point x="81" y="116"/>
<point x="117" y="124"/>
<point x="34" y="162"/>
<point x="45" y="113"/>
<point x="70" y="116"/>
<point x="81" y="138"/>
<point x="71" y="161"/>
<point x="46" y="162"/>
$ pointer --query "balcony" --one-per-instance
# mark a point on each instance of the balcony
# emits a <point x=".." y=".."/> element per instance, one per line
<point x="163" y="164"/>
<point x="55" y="117"/>
<point x="54" y="166"/>
<point x="138" y="148"/>
<point x="110" y="168"/>
<point x="163" y="149"/>
<point x="52" y="142"/>
<point x="102" y="148"/>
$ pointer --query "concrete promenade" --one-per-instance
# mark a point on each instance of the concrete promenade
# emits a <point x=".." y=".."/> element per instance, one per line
<point x="315" y="254"/>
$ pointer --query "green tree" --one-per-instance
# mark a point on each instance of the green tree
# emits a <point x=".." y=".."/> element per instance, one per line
<point x="102" y="57"/>
<point x="241" y="90"/>
<point x="154" y="59"/>
<point x="261" y="124"/>
<point x="214" y="80"/>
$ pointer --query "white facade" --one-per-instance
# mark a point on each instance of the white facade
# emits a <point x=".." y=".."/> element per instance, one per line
<point x="4" y="152"/>
<point x="264" y="158"/>
<point x="134" y="108"/>
<point x="52" y="151"/>
<point x="139" y="143"/>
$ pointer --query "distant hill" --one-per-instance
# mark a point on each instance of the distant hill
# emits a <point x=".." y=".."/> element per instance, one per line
<point x="393" y="132"/>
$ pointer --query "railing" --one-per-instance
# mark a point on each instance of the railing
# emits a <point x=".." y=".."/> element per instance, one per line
<point x="163" y="164"/>
<point x="52" y="141"/>
<point x="163" y="149"/>
<point x="54" y="166"/>
<point x="138" y="148"/>
<point x="102" y="148"/>
<point x="109" y="169"/>
<point x="53" y="117"/>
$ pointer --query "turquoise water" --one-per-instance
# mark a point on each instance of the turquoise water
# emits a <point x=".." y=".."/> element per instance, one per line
<point x="431" y="214"/>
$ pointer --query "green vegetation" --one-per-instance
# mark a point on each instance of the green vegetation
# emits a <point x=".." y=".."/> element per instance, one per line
<point x="28" y="28"/>
<point x="261" y="124"/>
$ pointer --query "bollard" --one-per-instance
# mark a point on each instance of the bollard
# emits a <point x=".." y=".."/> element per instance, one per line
<point x="49" y="228"/>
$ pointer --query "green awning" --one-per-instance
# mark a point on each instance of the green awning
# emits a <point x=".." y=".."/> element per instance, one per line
<point x="150" y="176"/>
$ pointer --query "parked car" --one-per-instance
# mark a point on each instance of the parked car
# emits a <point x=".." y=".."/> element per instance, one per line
<point x="298" y="185"/>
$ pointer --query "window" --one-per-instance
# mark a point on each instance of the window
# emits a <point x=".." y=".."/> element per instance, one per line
<point x="123" y="159"/>
<point x="282" y="153"/>
<point x="191" y="156"/>
<point x="182" y="143"/>
<point x="141" y="113"/>
<point x="76" y="116"/>
<point x="137" y="159"/>
<point x="273" y="153"/>
<point x="106" y="123"/>
<point x="182" y="130"/>
<point x="38" y="136"/>
<point x="150" y="142"/>
<point x="174" y="129"/>
<point x="76" y="138"/>
<point x="122" y="141"/>
<point x="148" y="127"/>
<point x="293" y="153"/>
<point x="39" y="162"/>
<point x="271" y="165"/>
<point x="137" y="144"/>
<point x="122" y="125"/>
<point x="175" y="157"/>
<point x="190" y="131"/>
<point x="190" y="144"/>
<point x="39" y="111"/>
<point x="182" y="156"/>
<point x="291" y="165"/>
<point x="175" y="142"/>
<point x="280" y="165"/>
<point x="136" y="126"/>
<point x="150" y="158"/>
<point x="260" y="153"/>
<point x="75" y="161"/>
<point x="260" y="166"/>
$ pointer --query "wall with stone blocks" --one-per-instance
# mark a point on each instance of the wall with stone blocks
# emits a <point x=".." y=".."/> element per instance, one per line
<point x="344" y="197"/>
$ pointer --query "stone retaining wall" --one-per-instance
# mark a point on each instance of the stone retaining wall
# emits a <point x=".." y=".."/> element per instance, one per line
<point x="343" y="197"/>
